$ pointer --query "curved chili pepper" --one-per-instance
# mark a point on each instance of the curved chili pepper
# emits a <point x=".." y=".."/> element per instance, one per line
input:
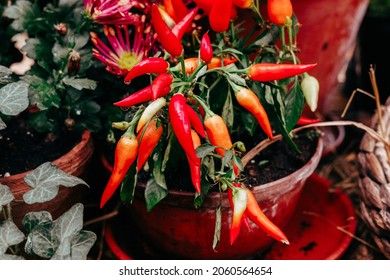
<point x="279" y="11"/>
<point x="195" y="121"/>
<point x="148" y="139"/>
<point x="195" y="166"/>
<point x="266" y="72"/>
<point x="159" y="84"/>
<point x="150" y="111"/>
<point x="205" y="5"/>
<point x="126" y="151"/>
<point x="206" y="49"/>
<point x="151" y="65"/>
<point x="310" y="88"/>
<point x="243" y="4"/>
<point x="216" y="62"/>
<point x="181" y="125"/>
<point x="249" y="100"/>
<point x="256" y="215"/>
<point x="220" y="14"/>
<point x="238" y="201"/>
<point x="168" y="40"/>
<point x="184" y="25"/>
<point x="141" y="96"/>
<point x="218" y="133"/>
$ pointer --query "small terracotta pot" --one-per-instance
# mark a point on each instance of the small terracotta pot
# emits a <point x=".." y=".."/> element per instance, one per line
<point x="178" y="229"/>
<point x="74" y="162"/>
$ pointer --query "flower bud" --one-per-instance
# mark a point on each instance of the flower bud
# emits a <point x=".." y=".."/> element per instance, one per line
<point x="310" y="87"/>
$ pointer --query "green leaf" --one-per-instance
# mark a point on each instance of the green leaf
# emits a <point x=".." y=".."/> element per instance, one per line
<point x="33" y="220"/>
<point x="42" y="242"/>
<point x="294" y="103"/>
<point x="128" y="184"/>
<point x="204" y="150"/>
<point x="5" y="75"/>
<point x="235" y="78"/>
<point x="227" y="110"/>
<point x="154" y="193"/>
<point x="31" y="48"/>
<point x="9" y="235"/>
<point x="217" y="229"/>
<point x="13" y="98"/>
<point x="81" y="244"/>
<point x="80" y="83"/>
<point x="6" y="195"/>
<point x="45" y="181"/>
<point x="66" y="227"/>
<point x="18" y="12"/>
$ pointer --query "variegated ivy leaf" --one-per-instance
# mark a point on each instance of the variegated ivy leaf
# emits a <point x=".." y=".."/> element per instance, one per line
<point x="41" y="242"/>
<point x="9" y="235"/>
<point x="9" y="257"/>
<point x="13" y="98"/>
<point x="5" y="75"/>
<point x="82" y="243"/>
<point x="67" y="226"/>
<point x="45" y="181"/>
<point x="6" y="195"/>
<point x="33" y="220"/>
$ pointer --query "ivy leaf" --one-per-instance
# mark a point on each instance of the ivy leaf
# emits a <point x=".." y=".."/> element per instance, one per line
<point x="6" y="195"/>
<point x="80" y="83"/>
<point x="9" y="235"/>
<point x="33" y="220"/>
<point x="13" y="98"/>
<point x="2" y="124"/>
<point x="67" y="226"/>
<point x="154" y="193"/>
<point x="5" y="75"/>
<point x="9" y="257"/>
<point x="45" y="181"/>
<point x="41" y="242"/>
<point x="81" y="244"/>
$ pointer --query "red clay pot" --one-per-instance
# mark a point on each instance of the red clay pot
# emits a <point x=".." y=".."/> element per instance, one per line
<point x="181" y="231"/>
<point x="74" y="162"/>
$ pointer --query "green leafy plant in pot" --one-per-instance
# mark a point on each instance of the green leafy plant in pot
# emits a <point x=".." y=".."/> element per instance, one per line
<point x="213" y="93"/>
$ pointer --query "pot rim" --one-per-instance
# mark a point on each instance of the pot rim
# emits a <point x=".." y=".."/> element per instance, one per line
<point x="303" y="171"/>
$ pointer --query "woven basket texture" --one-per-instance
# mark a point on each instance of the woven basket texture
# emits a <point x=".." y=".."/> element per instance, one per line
<point x="374" y="182"/>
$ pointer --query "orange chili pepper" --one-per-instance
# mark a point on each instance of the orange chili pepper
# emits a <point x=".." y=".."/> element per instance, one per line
<point x="279" y="11"/>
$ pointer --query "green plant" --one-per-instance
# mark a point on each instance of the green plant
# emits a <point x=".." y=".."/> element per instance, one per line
<point x="46" y="238"/>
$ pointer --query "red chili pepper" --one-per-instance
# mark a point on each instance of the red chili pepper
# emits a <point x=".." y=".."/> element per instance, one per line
<point x="243" y="4"/>
<point x="168" y="40"/>
<point x="206" y="49"/>
<point x="279" y="11"/>
<point x="238" y="201"/>
<point x="148" y="139"/>
<point x="266" y="72"/>
<point x="256" y="215"/>
<point x="151" y="65"/>
<point x="176" y="9"/>
<point x="205" y="5"/>
<point x="195" y="166"/>
<point x="220" y="14"/>
<point x="160" y="83"/>
<point x="305" y="120"/>
<point x="249" y="100"/>
<point x="195" y="121"/>
<point x="181" y="124"/>
<point x="141" y="96"/>
<point x="126" y="151"/>
<point x="184" y="25"/>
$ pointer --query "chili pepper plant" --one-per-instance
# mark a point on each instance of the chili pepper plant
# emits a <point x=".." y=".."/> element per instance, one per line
<point x="213" y="90"/>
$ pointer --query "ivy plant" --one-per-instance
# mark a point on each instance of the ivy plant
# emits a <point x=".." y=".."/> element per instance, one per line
<point x="42" y="237"/>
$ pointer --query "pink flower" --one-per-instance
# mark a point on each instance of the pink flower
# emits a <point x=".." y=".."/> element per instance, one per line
<point x="113" y="11"/>
<point x="123" y="54"/>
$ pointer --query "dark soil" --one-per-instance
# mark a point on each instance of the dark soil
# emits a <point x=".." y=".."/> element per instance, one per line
<point x="280" y="160"/>
<point x="23" y="149"/>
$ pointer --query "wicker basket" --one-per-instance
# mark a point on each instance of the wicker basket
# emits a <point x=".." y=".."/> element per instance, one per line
<point x="374" y="183"/>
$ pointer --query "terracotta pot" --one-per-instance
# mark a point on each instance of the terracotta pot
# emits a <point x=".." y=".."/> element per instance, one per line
<point x="74" y="162"/>
<point x="328" y="36"/>
<point x="178" y="229"/>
